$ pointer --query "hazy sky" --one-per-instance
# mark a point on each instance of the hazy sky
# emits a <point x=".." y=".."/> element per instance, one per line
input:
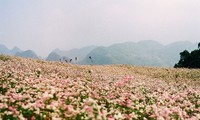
<point x="43" y="25"/>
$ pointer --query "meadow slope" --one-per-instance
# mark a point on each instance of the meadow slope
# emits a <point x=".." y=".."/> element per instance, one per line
<point x="36" y="89"/>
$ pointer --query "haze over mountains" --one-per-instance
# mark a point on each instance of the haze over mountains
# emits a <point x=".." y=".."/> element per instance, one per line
<point x="144" y="53"/>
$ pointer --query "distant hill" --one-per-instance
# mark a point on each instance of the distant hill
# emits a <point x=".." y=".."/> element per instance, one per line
<point x="4" y="50"/>
<point x="15" y="50"/>
<point x="27" y="54"/>
<point x="18" y="52"/>
<point x="170" y="53"/>
<point x="144" y="53"/>
<point x="71" y="54"/>
<point x="53" y="56"/>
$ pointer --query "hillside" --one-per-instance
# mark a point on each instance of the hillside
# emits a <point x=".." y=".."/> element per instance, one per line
<point x="53" y="56"/>
<point x="5" y="50"/>
<point x="144" y="53"/>
<point x="27" y="54"/>
<point x="37" y="89"/>
<point x="71" y="54"/>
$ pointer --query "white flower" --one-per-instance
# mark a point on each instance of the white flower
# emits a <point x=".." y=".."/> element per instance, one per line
<point x="21" y="117"/>
<point x="160" y="118"/>
<point x="118" y="116"/>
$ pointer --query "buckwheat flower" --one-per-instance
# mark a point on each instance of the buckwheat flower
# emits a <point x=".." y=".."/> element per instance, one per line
<point x="198" y="102"/>
<point x="37" y="111"/>
<point x="47" y="95"/>
<point x="102" y="113"/>
<point x="128" y="78"/>
<point x="128" y="103"/>
<point x="70" y="108"/>
<point x="52" y="89"/>
<point x="198" y="116"/>
<point x="134" y="115"/>
<point x="89" y="101"/>
<point x="185" y="114"/>
<point x="32" y="117"/>
<point x="14" y="110"/>
<point x="165" y="113"/>
<point x="160" y="118"/>
<point x="11" y="100"/>
<point x="148" y="109"/>
<point x="110" y="117"/>
<point x="89" y="109"/>
<point x="21" y="117"/>
<point x="2" y="105"/>
<point x="55" y="103"/>
<point x="193" y="118"/>
<point x="48" y="106"/>
<point x="56" y="118"/>
<point x="118" y="116"/>
<point x="119" y="84"/>
<point x="180" y="114"/>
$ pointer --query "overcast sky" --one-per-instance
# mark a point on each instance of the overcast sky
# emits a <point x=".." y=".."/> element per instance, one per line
<point x="43" y="25"/>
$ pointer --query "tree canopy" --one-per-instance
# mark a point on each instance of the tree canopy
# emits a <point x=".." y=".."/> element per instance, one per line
<point x="189" y="60"/>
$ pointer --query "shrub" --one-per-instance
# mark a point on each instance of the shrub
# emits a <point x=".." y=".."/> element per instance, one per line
<point x="4" y="58"/>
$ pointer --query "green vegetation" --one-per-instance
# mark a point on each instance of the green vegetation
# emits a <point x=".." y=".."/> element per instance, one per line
<point x="4" y="58"/>
<point x="189" y="60"/>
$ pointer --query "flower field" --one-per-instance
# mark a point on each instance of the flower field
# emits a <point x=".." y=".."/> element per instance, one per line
<point x="40" y="90"/>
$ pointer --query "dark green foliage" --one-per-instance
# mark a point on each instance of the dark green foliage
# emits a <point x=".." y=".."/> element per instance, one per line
<point x="4" y="58"/>
<point x="9" y="117"/>
<point x="189" y="60"/>
<point x="38" y="73"/>
<point x="55" y="97"/>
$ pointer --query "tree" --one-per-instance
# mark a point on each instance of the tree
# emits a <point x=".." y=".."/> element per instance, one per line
<point x="189" y="60"/>
<point x="184" y="59"/>
<point x="184" y="55"/>
<point x="195" y="60"/>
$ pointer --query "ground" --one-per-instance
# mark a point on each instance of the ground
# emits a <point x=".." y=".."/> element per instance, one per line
<point x="37" y="89"/>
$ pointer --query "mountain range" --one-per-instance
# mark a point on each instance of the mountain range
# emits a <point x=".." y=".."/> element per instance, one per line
<point x="18" y="52"/>
<point x="5" y="50"/>
<point x="143" y="53"/>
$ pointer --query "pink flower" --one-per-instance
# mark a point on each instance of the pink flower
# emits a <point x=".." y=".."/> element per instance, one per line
<point x="33" y="118"/>
<point x="102" y="113"/>
<point x="1" y="105"/>
<point x="39" y="104"/>
<point x="165" y="113"/>
<point x="128" y="78"/>
<point x="118" y="84"/>
<point x="127" y="116"/>
<point x="160" y="118"/>
<point x="128" y="102"/>
<point x="110" y="117"/>
<point x="88" y="109"/>
<point x="70" y="108"/>
<point x="14" y="110"/>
